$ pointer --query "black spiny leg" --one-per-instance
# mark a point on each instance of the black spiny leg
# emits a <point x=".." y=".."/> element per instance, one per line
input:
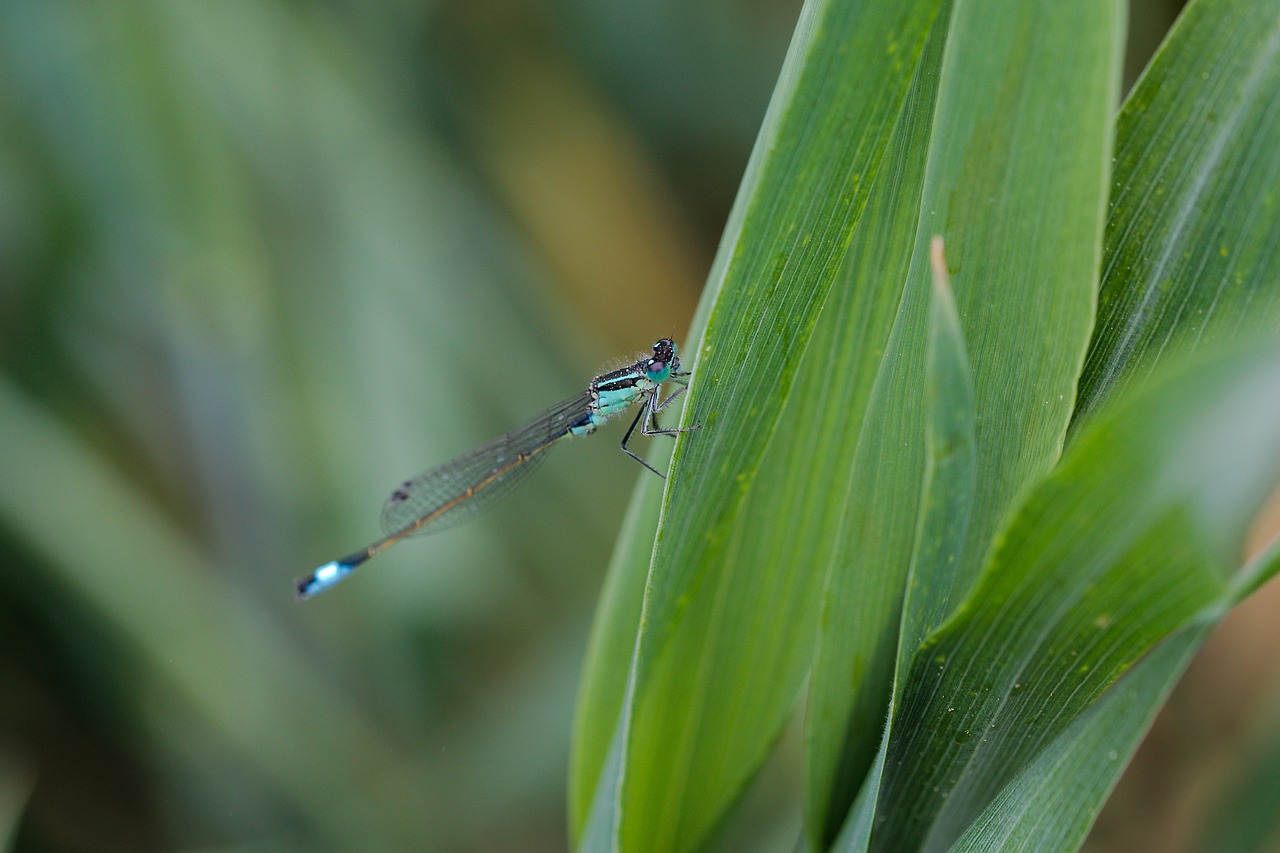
<point x="649" y="411"/>
<point x="627" y="437"/>
<point x="651" y="426"/>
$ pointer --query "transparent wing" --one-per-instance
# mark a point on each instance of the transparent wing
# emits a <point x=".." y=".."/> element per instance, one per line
<point x="467" y="485"/>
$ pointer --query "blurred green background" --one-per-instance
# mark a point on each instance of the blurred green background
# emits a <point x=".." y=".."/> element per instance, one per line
<point x="259" y="261"/>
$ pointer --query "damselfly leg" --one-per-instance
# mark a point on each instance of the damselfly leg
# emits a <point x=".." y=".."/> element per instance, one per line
<point x="649" y="413"/>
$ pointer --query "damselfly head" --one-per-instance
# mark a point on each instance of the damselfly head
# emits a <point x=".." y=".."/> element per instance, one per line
<point x="664" y="361"/>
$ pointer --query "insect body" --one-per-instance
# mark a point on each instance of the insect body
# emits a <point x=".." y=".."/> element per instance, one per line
<point x="463" y="487"/>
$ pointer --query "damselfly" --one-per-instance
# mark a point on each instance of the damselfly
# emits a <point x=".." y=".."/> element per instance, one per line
<point x="461" y="488"/>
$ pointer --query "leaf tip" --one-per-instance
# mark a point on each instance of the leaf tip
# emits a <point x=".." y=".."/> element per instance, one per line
<point x="938" y="260"/>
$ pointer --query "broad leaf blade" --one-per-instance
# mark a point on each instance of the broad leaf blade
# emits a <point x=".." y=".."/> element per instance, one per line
<point x="950" y="471"/>
<point x="1166" y="173"/>
<point x="597" y="738"/>
<point x="867" y="360"/>
<point x="1022" y="217"/>
<point x="945" y="505"/>
<point x="839" y="96"/>
<point x="857" y="65"/>
<point x="1051" y="804"/>
<point x="1059" y="616"/>
<point x="1192" y="244"/>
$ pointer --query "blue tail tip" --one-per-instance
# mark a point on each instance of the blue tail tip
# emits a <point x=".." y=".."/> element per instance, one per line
<point x="322" y="578"/>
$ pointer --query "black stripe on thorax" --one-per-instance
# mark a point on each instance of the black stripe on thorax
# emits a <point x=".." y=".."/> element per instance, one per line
<point x="617" y="380"/>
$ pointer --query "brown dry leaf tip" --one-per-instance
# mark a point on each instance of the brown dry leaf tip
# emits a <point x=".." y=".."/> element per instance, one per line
<point x="938" y="261"/>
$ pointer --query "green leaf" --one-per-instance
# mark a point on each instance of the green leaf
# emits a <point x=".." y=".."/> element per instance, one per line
<point x="1167" y="173"/>
<point x="1022" y="217"/>
<point x="166" y="617"/>
<point x="950" y="463"/>
<point x="1192" y="248"/>
<point x="847" y="492"/>
<point x="946" y="502"/>
<point x="1051" y="804"/>
<point x="597" y="736"/>
<point x="1165" y="484"/>
<point x="686" y="761"/>
<point x="870" y="336"/>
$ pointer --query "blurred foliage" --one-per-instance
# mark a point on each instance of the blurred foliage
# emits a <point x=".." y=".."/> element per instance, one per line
<point x="259" y="261"/>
